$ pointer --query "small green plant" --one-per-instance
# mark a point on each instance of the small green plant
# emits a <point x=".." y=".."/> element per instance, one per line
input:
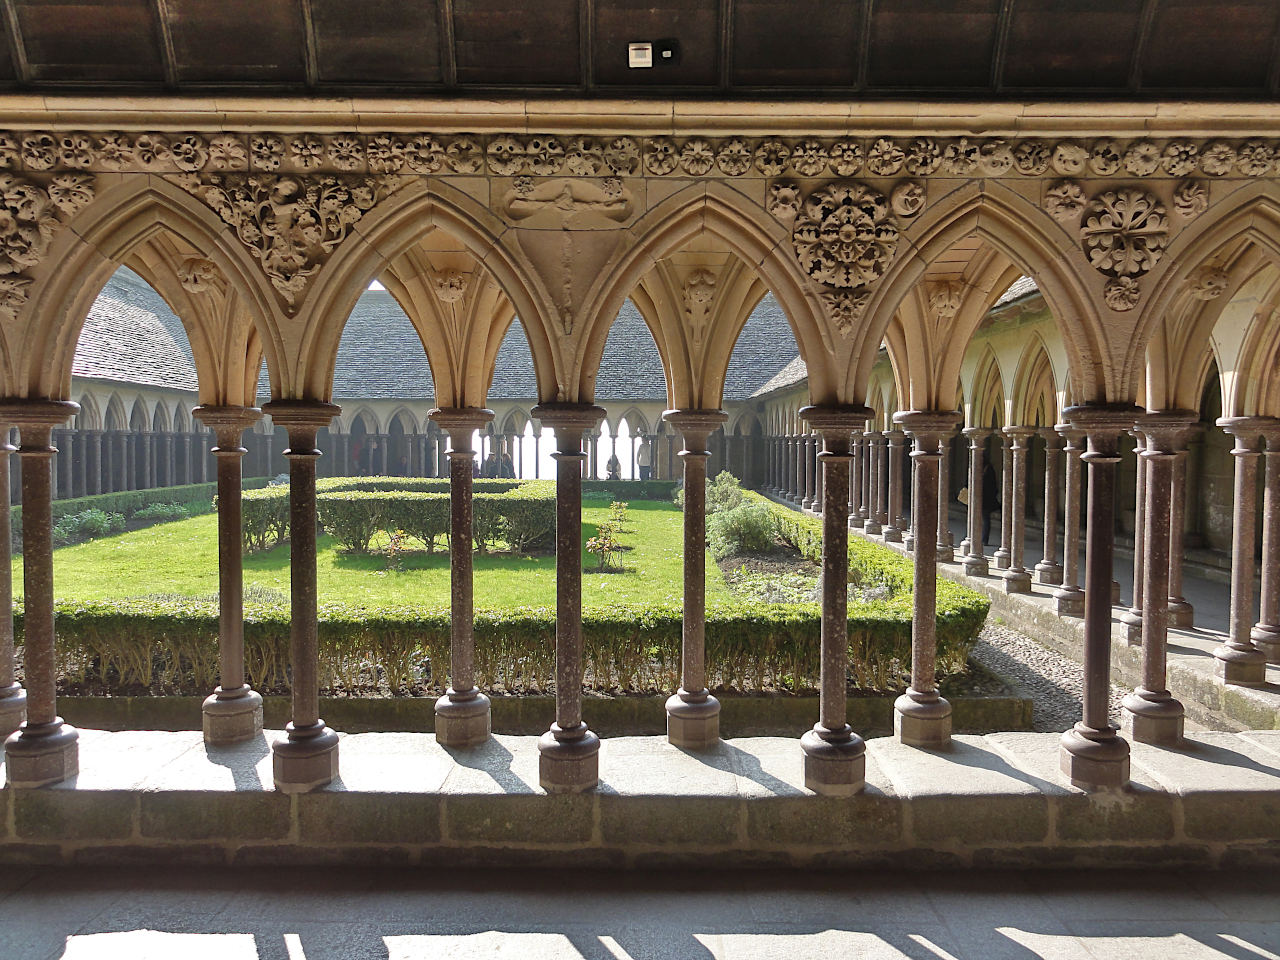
<point x="618" y="514"/>
<point x="86" y="525"/>
<point x="162" y="512"/>
<point x="749" y="528"/>
<point x="605" y="548"/>
<point x="395" y="551"/>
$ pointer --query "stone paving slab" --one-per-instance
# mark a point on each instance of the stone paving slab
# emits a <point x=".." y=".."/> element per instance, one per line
<point x="403" y="799"/>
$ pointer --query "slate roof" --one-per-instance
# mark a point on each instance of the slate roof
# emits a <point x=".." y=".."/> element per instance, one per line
<point x="793" y="373"/>
<point x="1022" y="287"/>
<point x="133" y="337"/>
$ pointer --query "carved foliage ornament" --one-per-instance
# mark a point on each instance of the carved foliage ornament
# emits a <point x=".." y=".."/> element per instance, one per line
<point x="844" y="236"/>
<point x="699" y="293"/>
<point x="1209" y="283"/>
<point x="198" y="275"/>
<point x="29" y="217"/>
<point x="1124" y="232"/>
<point x="291" y="224"/>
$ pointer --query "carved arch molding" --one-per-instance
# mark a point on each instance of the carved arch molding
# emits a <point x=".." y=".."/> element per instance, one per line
<point x="291" y="200"/>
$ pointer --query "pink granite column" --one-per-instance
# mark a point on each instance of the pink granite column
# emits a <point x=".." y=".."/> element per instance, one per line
<point x="893" y="528"/>
<point x="1266" y="632"/>
<point x="834" y="756"/>
<point x="569" y="753"/>
<point x="1068" y="599"/>
<point x="13" y="698"/>
<point x="1181" y="612"/>
<point x="44" y="749"/>
<point x="693" y="715"/>
<point x="1048" y="570"/>
<point x="857" y="448"/>
<point x="922" y="716"/>
<point x="875" y="484"/>
<point x="1015" y="576"/>
<point x="1151" y="714"/>
<point x="1132" y="618"/>
<point x="307" y="757"/>
<point x="234" y="712"/>
<point x="946" y="550"/>
<point x="863" y="480"/>
<point x="463" y="713"/>
<point x="808" y="463"/>
<point x="1238" y="660"/>
<point x="975" y="559"/>
<point x="1092" y="755"/>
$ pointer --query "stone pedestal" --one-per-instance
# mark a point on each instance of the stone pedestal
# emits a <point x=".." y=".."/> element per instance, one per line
<point x="307" y="757"/>
<point x="693" y="715"/>
<point x="1238" y="660"/>
<point x="1092" y="755"/>
<point x="44" y="749"/>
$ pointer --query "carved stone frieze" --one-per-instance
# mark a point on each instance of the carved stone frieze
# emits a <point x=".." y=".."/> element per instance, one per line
<point x="198" y="275"/>
<point x="30" y="215"/>
<point x="784" y="200"/>
<point x="1208" y="283"/>
<point x="451" y="286"/>
<point x="1121" y="293"/>
<point x="699" y="294"/>
<point x="844" y="236"/>
<point x="568" y="197"/>
<point x="1064" y="201"/>
<point x="1190" y="199"/>
<point x="945" y="298"/>
<point x="1124" y="232"/>
<point x="907" y="198"/>
<point x="290" y="223"/>
<point x="846" y="308"/>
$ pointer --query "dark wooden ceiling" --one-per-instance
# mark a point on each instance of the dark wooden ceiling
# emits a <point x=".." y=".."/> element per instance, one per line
<point x="1145" y="49"/>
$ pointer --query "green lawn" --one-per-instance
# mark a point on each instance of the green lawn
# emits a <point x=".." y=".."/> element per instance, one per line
<point x="182" y="558"/>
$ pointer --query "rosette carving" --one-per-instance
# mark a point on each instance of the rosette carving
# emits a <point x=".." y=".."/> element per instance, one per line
<point x="28" y="220"/>
<point x="844" y="235"/>
<point x="1125" y="232"/>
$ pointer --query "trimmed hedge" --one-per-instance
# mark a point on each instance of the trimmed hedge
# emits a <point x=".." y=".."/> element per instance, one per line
<point x="353" y="510"/>
<point x="170" y="644"/>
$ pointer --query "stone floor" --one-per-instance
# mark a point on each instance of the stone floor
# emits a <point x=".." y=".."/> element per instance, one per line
<point x="363" y="914"/>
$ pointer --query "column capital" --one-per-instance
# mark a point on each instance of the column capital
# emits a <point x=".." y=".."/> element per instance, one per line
<point x="21" y="412"/>
<point x="1019" y="432"/>
<point x="570" y="421"/>
<point x="977" y="434"/>
<point x="1248" y="431"/>
<point x="1102" y="424"/>
<point x="695" y="426"/>
<point x="1166" y="431"/>
<point x="460" y="421"/>
<point x="1271" y="434"/>
<point x="228" y="424"/>
<point x="926" y="425"/>
<point x="823" y="418"/>
<point x="895" y="436"/>
<point x="1050" y="436"/>
<point x="302" y="419"/>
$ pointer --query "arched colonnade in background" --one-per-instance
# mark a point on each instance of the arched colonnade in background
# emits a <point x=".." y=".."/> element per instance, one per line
<point x="867" y="232"/>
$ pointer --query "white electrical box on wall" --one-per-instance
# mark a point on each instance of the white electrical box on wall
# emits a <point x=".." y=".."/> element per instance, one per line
<point x="640" y="54"/>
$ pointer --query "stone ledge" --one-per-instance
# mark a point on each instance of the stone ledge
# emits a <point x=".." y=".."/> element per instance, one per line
<point x="997" y="800"/>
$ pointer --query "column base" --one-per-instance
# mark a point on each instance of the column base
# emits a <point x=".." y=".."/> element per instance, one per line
<point x="300" y="764"/>
<point x="568" y="765"/>
<point x="1000" y="559"/>
<point x="1068" y="602"/>
<point x="1154" y="718"/>
<point x="1265" y="636"/>
<point x="872" y="529"/>
<point x="1094" y="760"/>
<point x="693" y="724"/>
<point x="1115" y="592"/>
<point x="13" y="710"/>
<point x="976" y="566"/>
<point x="946" y="553"/>
<point x="1048" y="573"/>
<point x="922" y="720"/>
<point x="892" y="534"/>
<point x="835" y="767"/>
<point x="463" y="721"/>
<point x="1243" y="668"/>
<point x="909" y="542"/>
<point x="856" y="523"/>
<point x="229" y="720"/>
<point x="39" y="755"/>
<point x="1269" y="650"/>
<point x="1016" y="581"/>
<point x="1132" y="620"/>
<point x="1182" y="614"/>
<point x="806" y="504"/>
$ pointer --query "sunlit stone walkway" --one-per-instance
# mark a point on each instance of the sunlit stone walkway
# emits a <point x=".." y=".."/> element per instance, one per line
<point x="387" y="914"/>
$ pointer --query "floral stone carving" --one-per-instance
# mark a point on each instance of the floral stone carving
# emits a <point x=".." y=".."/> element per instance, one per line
<point x="291" y="224"/>
<point x="784" y="199"/>
<point x="198" y="275"/>
<point x="1064" y="200"/>
<point x="1125" y="232"/>
<point x="1190" y="199"/>
<point x="699" y="292"/>
<point x="1121" y="293"/>
<point x="844" y="236"/>
<point x="1208" y="283"/>
<point x="28" y="221"/>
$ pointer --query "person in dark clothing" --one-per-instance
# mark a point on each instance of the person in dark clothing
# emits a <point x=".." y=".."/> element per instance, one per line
<point x="990" y="498"/>
<point x="506" y="468"/>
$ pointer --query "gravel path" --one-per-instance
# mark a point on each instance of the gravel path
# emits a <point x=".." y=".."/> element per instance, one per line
<point x="1053" y="681"/>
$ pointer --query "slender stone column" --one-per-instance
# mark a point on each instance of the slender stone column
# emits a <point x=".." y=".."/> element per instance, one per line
<point x="795" y="494"/>
<point x="463" y="716"/>
<point x="975" y="559"/>
<point x="13" y="698"/>
<point x="569" y="753"/>
<point x="857" y="447"/>
<point x="1181" y="612"/>
<point x="875" y="481"/>
<point x="1092" y="755"/>
<point x="234" y="712"/>
<point x="1048" y="570"/>
<point x="1000" y="558"/>
<point x="44" y="750"/>
<point x="693" y="715"/>
<point x="834" y="756"/>
<point x="1016" y="577"/>
<point x="921" y="716"/>
<point x="1266" y="632"/>
<point x="1238" y="660"/>
<point x="66" y="456"/>
<point x="893" y="528"/>
<point x="307" y="757"/>
<point x="1132" y="618"/>
<point x="1068" y="599"/>
<point x="1151" y="714"/>
<point x="806" y="472"/>
<point x="95" y="469"/>
<point x="909" y="526"/>
<point x="864" y="479"/>
<point x="946" y="550"/>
